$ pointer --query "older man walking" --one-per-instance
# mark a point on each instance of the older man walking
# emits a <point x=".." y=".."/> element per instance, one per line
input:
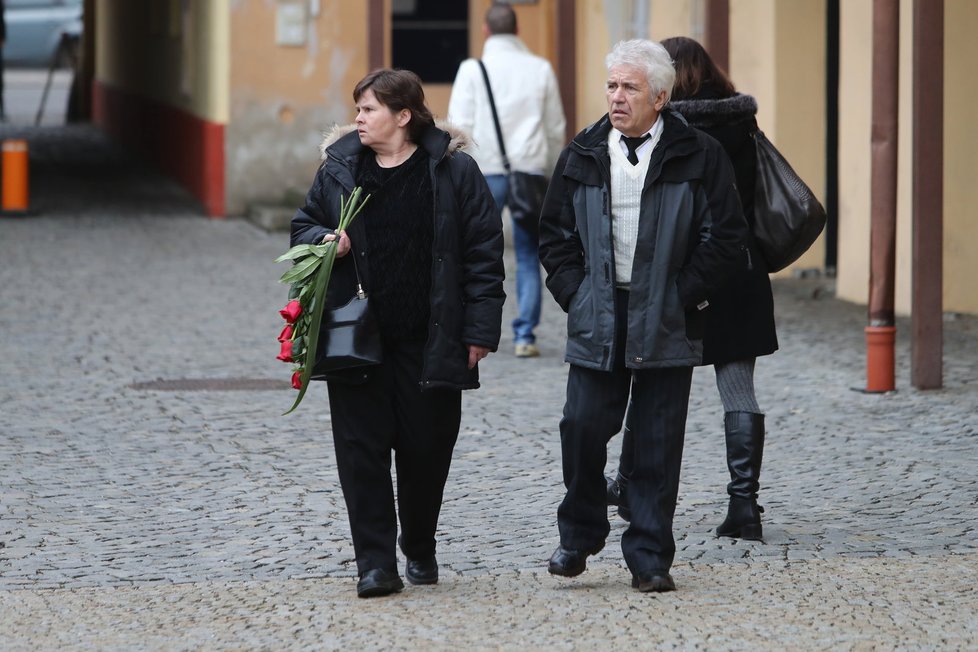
<point x="641" y="223"/>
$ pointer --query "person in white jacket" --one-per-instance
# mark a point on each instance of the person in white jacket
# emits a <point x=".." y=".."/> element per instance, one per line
<point x="532" y="123"/>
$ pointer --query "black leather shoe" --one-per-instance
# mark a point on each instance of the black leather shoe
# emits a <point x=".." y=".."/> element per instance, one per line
<point x="570" y="563"/>
<point x="377" y="582"/>
<point x="658" y="581"/>
<point x="422" y="571"/>
<point x="743" y="520"/>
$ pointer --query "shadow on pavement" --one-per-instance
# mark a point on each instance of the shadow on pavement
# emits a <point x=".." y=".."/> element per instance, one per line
<point x="77" y="169"/>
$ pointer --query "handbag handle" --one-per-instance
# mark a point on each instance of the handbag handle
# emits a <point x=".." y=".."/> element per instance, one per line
<point x="360" y="293"/>
<point x="356" y="270"/>
<point x="495" y="116"/>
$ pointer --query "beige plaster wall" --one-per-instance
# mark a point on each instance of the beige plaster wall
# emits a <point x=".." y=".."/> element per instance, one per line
<point x="165" y="50"/>
<point x="592" y="46"/>
<point x="855" y="120"/>
<point x="799" y="85"/>
<point x="960" y="156"/>
<point x="284" y="97"/>
<point x="671" y="18"/>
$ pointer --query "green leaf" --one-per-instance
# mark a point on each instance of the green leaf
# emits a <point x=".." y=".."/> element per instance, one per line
<point x="295" y="252"/>
<point x="301" y="269"/>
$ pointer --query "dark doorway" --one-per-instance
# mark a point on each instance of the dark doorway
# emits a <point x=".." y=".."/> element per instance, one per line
<point x="430" y="37"/>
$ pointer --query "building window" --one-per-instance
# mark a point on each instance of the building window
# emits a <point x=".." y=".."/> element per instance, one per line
<point x="430" y="37"/>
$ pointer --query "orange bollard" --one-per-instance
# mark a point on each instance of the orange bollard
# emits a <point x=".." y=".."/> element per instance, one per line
<point x="15" y="177"/>
<point x="880" y="362"/>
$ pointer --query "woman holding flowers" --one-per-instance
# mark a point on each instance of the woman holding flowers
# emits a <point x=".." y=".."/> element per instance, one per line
<point x="428" y="247"/>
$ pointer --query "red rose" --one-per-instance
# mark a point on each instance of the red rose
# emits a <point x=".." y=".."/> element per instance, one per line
<point x="286" y="333"/>
<point x="291" y="311"/>
<point x="286" y="353"/>
<point x="297" y="380"/>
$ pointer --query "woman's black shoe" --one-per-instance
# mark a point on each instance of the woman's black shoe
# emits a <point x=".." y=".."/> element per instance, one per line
<point x="743" y="520"/>
<point x="422" y="571"/>
<point x="570" y="563"/>
<point x="377" y="582"/>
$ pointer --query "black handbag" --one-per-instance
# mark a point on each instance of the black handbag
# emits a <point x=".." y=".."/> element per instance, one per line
<point x="526" y="191"/>
<point x="787" y="216"/>
<point x="348" y="336"/>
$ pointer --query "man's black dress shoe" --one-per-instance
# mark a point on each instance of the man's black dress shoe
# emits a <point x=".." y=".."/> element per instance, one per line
<point x="377" y="582"/>
<point x="422" y="571"/>
<point x="656" y="580"/>
<point x="570" y="563"/>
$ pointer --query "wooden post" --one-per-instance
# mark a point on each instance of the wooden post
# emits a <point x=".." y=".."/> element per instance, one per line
<point x="716" y="32"/>
<point x="927" y="301"/>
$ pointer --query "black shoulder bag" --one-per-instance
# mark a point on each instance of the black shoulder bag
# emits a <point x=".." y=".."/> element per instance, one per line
<point x="526" y="191"/>
<point x="348" y="337"/>
<point x="787" y="216"/>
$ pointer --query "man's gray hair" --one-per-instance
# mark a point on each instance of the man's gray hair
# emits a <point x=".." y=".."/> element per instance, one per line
<point x="648" y="56"/>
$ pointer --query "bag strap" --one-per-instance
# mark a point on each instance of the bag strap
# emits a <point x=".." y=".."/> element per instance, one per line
<point x="495" y="116"/>
<point x="360" y="293"/>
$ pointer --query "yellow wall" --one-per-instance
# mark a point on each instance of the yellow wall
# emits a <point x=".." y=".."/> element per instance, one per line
<point x="283" y="97"/>
<point x="960" y="156"/>
<point x="855" y="120"/>
<point x="172" y="52"/>
<point x="592" y="46"/>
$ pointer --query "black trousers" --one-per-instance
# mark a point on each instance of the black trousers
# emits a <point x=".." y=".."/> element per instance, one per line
<point x="389" y="412"/>
<point x="593" y="414"/>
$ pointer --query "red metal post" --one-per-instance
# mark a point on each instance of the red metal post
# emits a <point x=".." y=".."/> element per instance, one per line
<point x="881" y="331"/>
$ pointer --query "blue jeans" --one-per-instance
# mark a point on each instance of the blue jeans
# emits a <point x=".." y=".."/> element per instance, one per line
<point x="526" y="246"/>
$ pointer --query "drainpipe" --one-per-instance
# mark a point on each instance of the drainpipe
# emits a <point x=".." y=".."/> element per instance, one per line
<point x="926" y="326"/>
<point x="881" y="331"/>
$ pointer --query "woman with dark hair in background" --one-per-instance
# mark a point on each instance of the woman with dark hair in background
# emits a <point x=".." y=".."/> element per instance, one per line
<point x="740" y="325"/>
<point x="428" y="247"/>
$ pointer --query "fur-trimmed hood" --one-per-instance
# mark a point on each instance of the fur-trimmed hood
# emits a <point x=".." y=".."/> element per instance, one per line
<point x="459" y="138"/>
<point x="713" y="112"/>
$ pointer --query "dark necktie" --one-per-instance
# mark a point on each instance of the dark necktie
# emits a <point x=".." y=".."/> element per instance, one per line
<point x="633" y="144"/>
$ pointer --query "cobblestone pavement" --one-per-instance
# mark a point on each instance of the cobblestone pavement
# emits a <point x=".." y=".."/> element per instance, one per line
<point x="153" y="497"/>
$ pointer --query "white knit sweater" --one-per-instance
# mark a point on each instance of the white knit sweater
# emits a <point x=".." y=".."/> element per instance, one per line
<point x="626" y="203"/>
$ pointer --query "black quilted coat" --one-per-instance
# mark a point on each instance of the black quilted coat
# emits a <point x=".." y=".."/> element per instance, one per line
<point x="741" y="320"/>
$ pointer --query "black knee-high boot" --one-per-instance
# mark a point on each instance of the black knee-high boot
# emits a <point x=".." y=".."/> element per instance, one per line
<point x="745" y="448"/>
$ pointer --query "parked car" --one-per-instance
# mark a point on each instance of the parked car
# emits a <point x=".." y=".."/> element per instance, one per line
<point x="35" y="29"/>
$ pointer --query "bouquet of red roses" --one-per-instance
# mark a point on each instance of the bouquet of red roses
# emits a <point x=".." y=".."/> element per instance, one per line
<point x="308" y="278"/>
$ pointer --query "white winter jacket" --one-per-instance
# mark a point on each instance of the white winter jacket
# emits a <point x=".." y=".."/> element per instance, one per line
<point x="528" y="102"/>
